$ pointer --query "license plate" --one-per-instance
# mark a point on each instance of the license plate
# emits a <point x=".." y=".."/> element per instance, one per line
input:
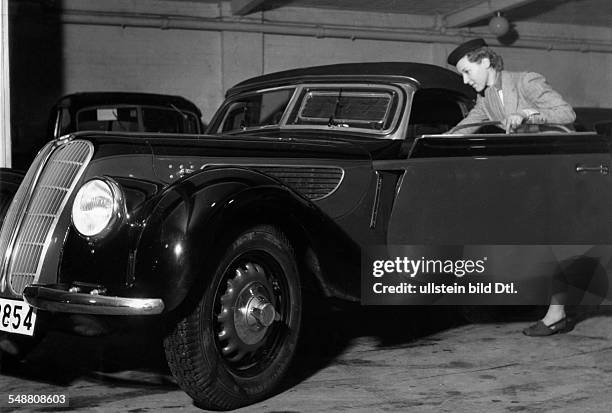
<point x="17" y="317"/>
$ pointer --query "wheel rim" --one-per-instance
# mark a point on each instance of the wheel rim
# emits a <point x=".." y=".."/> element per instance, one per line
<point x="251" y="312"/>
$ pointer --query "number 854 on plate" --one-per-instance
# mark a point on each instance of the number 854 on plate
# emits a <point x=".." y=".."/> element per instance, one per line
<point x="17" y="317"/>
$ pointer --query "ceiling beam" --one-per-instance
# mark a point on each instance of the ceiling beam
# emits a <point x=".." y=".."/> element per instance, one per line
<point x="243" y="7"/>
<point x="482" y="10"/>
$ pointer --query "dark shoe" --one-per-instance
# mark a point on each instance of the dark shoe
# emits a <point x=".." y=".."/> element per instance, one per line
<point x="540" y="329"/>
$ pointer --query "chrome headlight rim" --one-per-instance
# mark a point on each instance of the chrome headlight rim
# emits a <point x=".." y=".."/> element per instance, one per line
<point x="118" y="208"/>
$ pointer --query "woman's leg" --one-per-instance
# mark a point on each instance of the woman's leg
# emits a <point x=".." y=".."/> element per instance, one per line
<point x="555" y="313"/>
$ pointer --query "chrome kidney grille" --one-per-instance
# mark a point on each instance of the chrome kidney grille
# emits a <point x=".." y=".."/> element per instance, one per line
<point x="35" y="211"/>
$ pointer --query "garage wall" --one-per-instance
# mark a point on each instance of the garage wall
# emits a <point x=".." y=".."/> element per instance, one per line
<point x="180" y="62"/>
<point x="202" y="64"/>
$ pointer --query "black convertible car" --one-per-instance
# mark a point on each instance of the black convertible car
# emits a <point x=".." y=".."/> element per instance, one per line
<point x="225" y="236"/>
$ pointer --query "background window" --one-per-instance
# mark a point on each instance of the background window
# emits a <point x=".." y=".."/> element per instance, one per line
<point x="124" y="119"/>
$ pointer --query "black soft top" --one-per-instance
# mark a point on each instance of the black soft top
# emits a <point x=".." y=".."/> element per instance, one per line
<point x="421" y="74"/>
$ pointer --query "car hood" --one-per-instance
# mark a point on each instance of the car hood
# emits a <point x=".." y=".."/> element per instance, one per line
<point x="257" y="146"/>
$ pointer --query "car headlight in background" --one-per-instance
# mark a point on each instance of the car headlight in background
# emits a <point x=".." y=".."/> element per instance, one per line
<point x="97" y="206"/>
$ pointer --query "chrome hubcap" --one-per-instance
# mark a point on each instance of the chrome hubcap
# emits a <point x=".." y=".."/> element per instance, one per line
<point x="247" y="312"/>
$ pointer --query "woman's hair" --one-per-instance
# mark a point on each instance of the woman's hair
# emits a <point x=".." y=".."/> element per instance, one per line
<point x="477" y="55"/>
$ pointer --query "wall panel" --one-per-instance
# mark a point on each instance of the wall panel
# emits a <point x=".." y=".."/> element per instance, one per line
<point x="179" y="62"/>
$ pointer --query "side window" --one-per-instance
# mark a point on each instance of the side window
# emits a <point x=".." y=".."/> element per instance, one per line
<point x="256" y="110"/>
<point x="433" y="111"/>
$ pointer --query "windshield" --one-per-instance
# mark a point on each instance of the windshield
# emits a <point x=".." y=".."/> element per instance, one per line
<point x="168" y="120"/>
<point x="137" y="119"/>
<point x="108" y="119"/>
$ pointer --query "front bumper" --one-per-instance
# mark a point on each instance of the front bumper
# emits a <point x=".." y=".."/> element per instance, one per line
<point x="60" y="300"/>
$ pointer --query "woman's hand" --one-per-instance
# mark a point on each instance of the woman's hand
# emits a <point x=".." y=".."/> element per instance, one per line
<point x="513" y="121"/>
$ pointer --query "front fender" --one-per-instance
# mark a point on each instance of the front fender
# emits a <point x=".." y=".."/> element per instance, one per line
<point x="180" y="235"/>
<point x="197" y="218"/>
<point x="328" y="257"/>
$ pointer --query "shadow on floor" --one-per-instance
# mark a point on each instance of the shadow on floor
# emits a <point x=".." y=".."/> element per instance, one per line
<point x="60" y="358"/>
<point x="326" y="336"/>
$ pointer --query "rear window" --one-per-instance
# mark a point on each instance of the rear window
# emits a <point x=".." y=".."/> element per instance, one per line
<point x="351" y="108"/>
<point x="347" y="107"/>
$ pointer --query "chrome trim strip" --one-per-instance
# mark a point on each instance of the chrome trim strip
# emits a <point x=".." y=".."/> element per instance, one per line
<point x="51" y="299"/>
<point x="376" y="203"/>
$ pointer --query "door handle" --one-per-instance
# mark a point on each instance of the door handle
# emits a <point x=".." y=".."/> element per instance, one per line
<point x="602" y="168"/>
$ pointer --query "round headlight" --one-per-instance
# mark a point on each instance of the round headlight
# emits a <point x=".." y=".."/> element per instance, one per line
<point x="97" y="206"/>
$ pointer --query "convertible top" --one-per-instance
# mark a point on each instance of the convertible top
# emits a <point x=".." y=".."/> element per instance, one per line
<point x="421" y="74"/>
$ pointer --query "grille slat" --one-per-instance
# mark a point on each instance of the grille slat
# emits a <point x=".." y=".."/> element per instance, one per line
<point x="35" y="210"/>
<point x="68" y="162"/>
<point x="54" y="187"/>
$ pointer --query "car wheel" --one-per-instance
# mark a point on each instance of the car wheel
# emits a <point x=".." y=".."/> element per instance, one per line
<point x="236" y="345"/>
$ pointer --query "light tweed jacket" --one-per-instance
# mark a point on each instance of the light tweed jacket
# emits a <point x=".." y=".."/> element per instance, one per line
<point x="525" y="93"/>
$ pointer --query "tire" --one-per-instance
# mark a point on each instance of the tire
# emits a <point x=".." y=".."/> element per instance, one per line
<point x="220" y="354"/>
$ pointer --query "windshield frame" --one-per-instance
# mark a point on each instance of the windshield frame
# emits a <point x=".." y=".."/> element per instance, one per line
<point x="393" y="117"/>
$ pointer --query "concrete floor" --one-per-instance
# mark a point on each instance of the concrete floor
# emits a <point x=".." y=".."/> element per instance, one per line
<point x="369" y="360"/>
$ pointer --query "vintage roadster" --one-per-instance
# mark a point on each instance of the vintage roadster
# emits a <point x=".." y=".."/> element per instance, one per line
<point x="226" y="236"/>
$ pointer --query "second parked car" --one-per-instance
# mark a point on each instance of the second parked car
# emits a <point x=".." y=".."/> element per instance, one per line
<point x="124" y="112"/>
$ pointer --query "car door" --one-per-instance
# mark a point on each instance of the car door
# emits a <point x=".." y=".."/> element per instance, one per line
<point x="529" y="204"/>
